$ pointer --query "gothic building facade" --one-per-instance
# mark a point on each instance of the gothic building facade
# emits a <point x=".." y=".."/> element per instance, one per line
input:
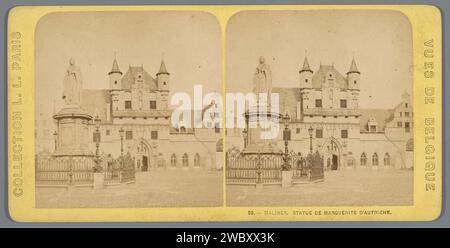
<point x="348" y="136"/>
<point x="133" y="117"/>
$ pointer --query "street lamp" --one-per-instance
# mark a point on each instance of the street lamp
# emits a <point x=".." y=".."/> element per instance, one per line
<point x="97" y="143"/>
<point x="244" y="133"/>
<point x="286" y="138"/>
<point x="259" y="172"/>
<point x="55" y="137"/>
<point x="121" y="132"/>
<point x="310" y="130"/>
<point x="97" y="134"/>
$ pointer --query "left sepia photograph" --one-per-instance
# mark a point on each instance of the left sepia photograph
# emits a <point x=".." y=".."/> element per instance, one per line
<point x="116" y="101"/>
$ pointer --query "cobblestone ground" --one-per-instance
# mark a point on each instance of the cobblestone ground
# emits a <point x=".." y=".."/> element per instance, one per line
<point x="340" y="188"/>
<point x="169" y="188"/>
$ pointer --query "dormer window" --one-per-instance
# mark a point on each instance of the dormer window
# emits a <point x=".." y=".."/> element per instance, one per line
<point x="372" y="125"/>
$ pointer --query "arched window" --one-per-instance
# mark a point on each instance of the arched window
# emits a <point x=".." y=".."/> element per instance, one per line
<point x="197" y="160"/>
<point x="387" y="159"/>
<point x="375" y="159"/>
<point x="173" y="160"/>
<point x="185" y="160"/>
<point x="363" y="159"/>
<point x="351" y="162"/>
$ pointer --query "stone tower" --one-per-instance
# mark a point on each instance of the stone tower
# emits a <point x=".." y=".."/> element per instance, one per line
<point x="162" y="79"/>
<point x="353" y="80"/>
<point x="305" y="75"/>
<point x="353" y="76"/>
<point x="114" y="76"/>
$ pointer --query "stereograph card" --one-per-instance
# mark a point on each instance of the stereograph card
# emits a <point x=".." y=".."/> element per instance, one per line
<point x="225" y="113"/>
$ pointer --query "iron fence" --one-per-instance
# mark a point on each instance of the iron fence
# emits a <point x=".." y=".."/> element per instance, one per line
<point x="242" y="168"/>
<point x="70" y="170"/>
<point x="79" y="170"/>
<point x="251" y="168"/>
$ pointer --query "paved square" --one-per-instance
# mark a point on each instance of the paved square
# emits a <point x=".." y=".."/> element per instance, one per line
<point x="362" y="187"/>
<point x="166" y="188"/>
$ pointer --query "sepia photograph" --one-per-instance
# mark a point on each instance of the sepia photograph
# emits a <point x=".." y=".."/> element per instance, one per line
<point x="105" y="133"/>
<point x="339" y="105"/>
<point x="225" y="114"/>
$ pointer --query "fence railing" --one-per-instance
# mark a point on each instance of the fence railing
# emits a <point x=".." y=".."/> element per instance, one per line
<point x="250" y="168"/>
<point x="244" y="168"/>
<point x="78" y="170"/>
<point x="64" y="170"/>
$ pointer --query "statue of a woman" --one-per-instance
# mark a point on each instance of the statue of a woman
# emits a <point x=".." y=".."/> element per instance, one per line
<point x="262" y="81"/>
<point x="72" y="84"/>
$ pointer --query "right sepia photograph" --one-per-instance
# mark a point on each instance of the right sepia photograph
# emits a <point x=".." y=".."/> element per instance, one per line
<point x="323" y="109"/>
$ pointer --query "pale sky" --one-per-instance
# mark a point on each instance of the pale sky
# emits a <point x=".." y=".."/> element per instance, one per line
<point x="380" y="41"/>
<point x="189" y="42"/>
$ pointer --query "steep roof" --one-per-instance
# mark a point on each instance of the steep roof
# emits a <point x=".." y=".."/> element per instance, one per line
<point x="353" y="68"/>
<point x="129" y="78"/>
<point x="323" y="72"/>
<point x="115" y="68"/>
<point x="94" y="102"/>
<point x="288" y="100"/>
<point x="290" y="96"/>
<point x="162" y="69"/>
<point x="382" y="116"/>
<point x="306" y="66"/>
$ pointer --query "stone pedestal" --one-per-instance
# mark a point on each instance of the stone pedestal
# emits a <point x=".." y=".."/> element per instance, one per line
<point x="73" y="132"/>
<point x="256" y="143"/>
<point x="259" y="185"/>
<point x="286" y="179"/>
<point x="99" y="180"/>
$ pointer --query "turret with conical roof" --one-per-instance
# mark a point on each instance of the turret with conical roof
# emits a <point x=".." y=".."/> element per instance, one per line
<point x="162" y="77"/>
<point x="114" y="76"/>
<point x="305" y="75"/>
<point x="115" y="68"/>
<point x="353" y="68"/>
<point x="162" y="69"/>
<point x="353" y="76"/>
<point x="305" y="67"/>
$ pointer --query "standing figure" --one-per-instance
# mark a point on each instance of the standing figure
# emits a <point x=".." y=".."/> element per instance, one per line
<point x="262" y="81"/>
<point x="73" y="85"/>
